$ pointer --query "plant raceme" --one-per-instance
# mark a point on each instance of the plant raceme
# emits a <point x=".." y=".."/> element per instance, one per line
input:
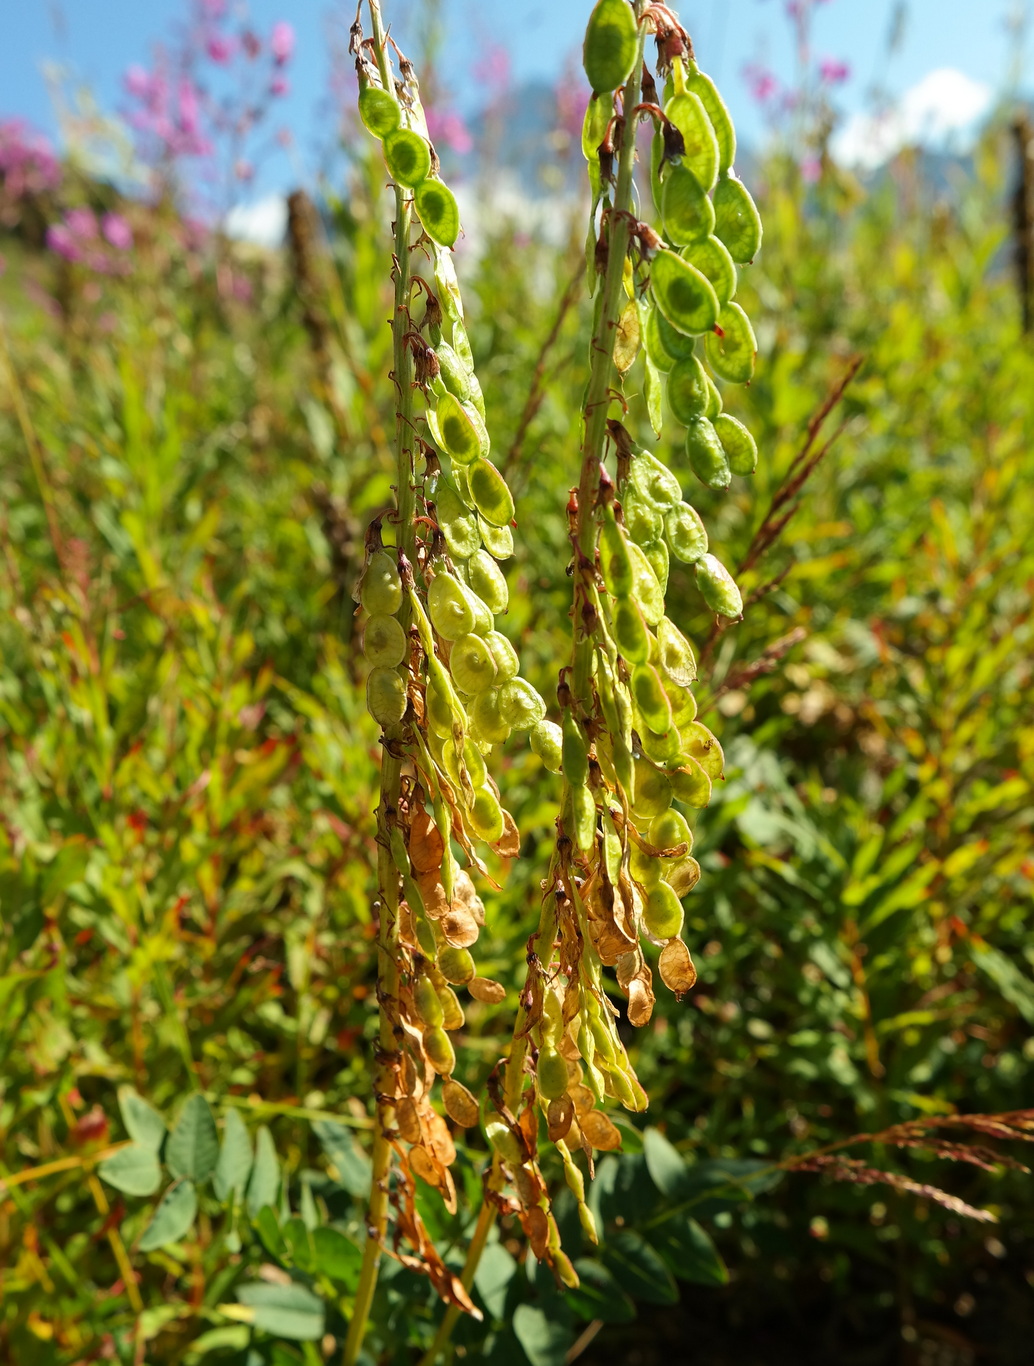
<point x="444" y="685"/>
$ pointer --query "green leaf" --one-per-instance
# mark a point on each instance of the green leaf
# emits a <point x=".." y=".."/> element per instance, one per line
<point x="265" y="1174"/>
<point x="495" y="1271"/>
<point x="688" y="1251"/>
<point x="639" y="1269"/>
<point x="234" y="1165"/>
<point x="193" y="1146"/>
<point x="599" y="1296"/>
<point x="267" y="1226"/>
<point x="349" y="1165"/>
<point x="337" y="1256"/>
<point x="286" y="1311"/>
<point x="143" y="1122"/>
<point x="298" y="1241"/>
<point x="545" y="1341"/>
<point x="1014" y="985"/>
<point x="135" y="1170"/>
<point x="173" y="1217"/>
<point x="665" y="1164"/>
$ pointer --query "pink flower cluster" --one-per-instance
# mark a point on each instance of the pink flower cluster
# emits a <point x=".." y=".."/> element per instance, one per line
<point x="27" y="161"/>
<point x="99" y="244"/>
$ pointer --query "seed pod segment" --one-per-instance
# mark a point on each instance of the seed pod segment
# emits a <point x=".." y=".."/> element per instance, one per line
<point x="609" y="48"/>
<point x="718" y="587"/>
<point x="732" y="349"/>
<point x="439" y="214"/>
<point x="737" y="221"/>
<point x="684" y="295"/>
<point x="408" y="157"/>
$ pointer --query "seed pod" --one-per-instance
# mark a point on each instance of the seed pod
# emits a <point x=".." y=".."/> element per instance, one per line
<point x="472" y="664"/>
<point x="460" y="1105"/>
<point x="683" y="703"/>
<point x="652" y="790"/>
<point x="386" y="697"/>
<point x="487" y="717"/>
<point x="547" y="742"/>
<point x="439" y="1050"/>
<point x="459" y="429"/>
<point x="488" y="581"/>
<point x="458" y="524"/>
<point x="675" y="659"/>
<point x="684" y="295"/>
<point x="552" y="1074"/>
<point x="456" y="965"/>
<point x="483" y="619"/>
<point x="657" y="553"/>
<point x="643" y="520"/>
<point x="690" y="783"/>
<point x="718" y="587"/>
<point x="676" y="343"/>
<point x="498" y="540"/>
<point x="645" y="588"/>
<point x="438" y="212"/>
<point x="491" y="496"/>
<point x="737" y="221"/>
<point x="575" y="753"/>
<point x="504" y="1141"/>
<point x="687" y="113"/>
<point x="378" y="110"/>
<point x="711" y="256"/>
<point x="725" y="134"/>
<point x="698" y="742"/>
<point x="714" y="400"/>
<point x="380" y="591"/>
<point x="384" y="641"/>
<point x="449" y="607"/>
<point x="732" y="355"/>
<point x="687" y="212"/>
<point x="611" y="40"/>
<point x="651" y="699"/>
<point x="615" y="560"/>
<point x="662" y="912"/>
<point x="452" y="1012"/>
<point x="739" y="446"/>
<point x="682" y="876"/>
<point x="654" y="342"/>
<point x="687" y="390"/>
<point x="631" y="634"/>
<point x="520" y="704"/>
<point x="594" y="128"/>
<point x="663" y="747"/>
<point x="447" y="288"/>
<point x="668" y="830"/>
<point x="506" y="662"/>
<point x="655" y="481"/>
<point x="686" y="534"/>
<point x="583" y="810"/>
<point x="706" y="456"/>
<point x="486" y="816"/>
<point x="428" y="1006"/>
<point x="454" y="374"/>
<point x="408" y="157"/>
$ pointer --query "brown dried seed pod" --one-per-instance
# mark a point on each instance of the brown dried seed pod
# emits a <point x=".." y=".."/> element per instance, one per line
<point x="484" y="989"/>
<point x="559" y="1115"/>
<point x="536" y="1226"/>
<point x="426" y="1167"/>
<point x="460" y="928"/>
<point x="640" y="1000"/>
<point x="408" y="1120"/>
<point x="583" y="1100"/>
<point x="676" y="967"/>
<point x="460" y="1105"/>
<point x="600" y="1132"/>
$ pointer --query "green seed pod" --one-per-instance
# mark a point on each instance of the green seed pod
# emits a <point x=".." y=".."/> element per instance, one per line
<point x="615" y="560"/>
<point x="670" y="830"/>
<point x="460" y="340"/>
<point x="380" y="591"/>
<point x="458" y="428"/>
<point x="683" y="703"/>
<point x="459" y="478"/>
<point x="645" y="869"/>
<point x="700" y="744"/>
<point x="611" y="40"/>
<point x="425" y="935"/>
<point x="631" y="634"/>
<point x="477" y="398"/>
<point x="737" y="221"/>
<point x="685" y="296"/>
<point x="732" y="355"/>
<point x="721" y="121"/>
<point x="455" y="375"/>
<point x="687" y="212"/>
<point x="654" y="342"/>
<point x="438" y="212"/>
<point x="547" y="742"/>
<point x="552" y="1074"/>
<point x="378" y="110"/>
<point x="483" y="619"/>
<point x="690" y="784"/>
<point x="440" y="1052"/>
<point x="386" y="697"/>
<point x="714" y="401"/>
<point x="506" y="662"/>
<point x="486" y="815"/>
<point x="650" y="697"/>
<point x="583" y="810"/>
<point x="487" y="717"/>
<point x="439" y="710"/>
<point x="645" y="588"/>
<point x="428" y="1006"/>
<point x="663" y="916"/>
<point x="575" y="752"/>
<point x="408" y="157"/>
<point x="657" y="554"/>
<point x="706" y="456"/>
<point x="685" y="532"/>
<point x="447" y="288"/>
<point x="655" y="481"/>
<point x="449" y="607"/>
<point x="652" y="791"/>
<point x="688" y="114"/>
<point x="643" y="520"/>
<point x="491" y="496"/>
<point x="456" y="965"/>
<point x="711" y="256"/>
<point x="594" y="128"/>
<point x="520" y="704"/>
<point x="687" y="390"/>
<point x="675" y="659"/>
<point x="384" y="642"/>
<point x="676" y="343"/>
<point x="663" y="747"/>
<point x="718" y="587"/>
<point x="501" y="1139"/>
<point x="739" y="446"/>
<point x="452" y="1012"/>
<point x="486" y="579"/>
<point x="458" y="524"/>
<point x="615" y="701"/>
<point x="472" y="664"/>
<point x="498" y="540"/>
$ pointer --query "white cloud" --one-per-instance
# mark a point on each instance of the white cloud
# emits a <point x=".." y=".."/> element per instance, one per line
<point x="941" y="111"/>
<point x="263" y="222"/>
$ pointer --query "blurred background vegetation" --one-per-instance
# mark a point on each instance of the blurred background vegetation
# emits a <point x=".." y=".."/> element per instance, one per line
<point x="193" y="436"/>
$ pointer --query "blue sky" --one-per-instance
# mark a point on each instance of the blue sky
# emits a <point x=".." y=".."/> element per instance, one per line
<point x="98" y="39"/>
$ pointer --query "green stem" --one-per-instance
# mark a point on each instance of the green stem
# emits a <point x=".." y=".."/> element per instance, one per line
<point x="391" y="769"/>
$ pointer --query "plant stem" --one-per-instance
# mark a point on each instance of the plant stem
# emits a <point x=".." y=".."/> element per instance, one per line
<point x="391" y="769"/>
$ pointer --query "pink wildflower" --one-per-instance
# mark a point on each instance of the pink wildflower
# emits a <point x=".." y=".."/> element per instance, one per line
<point x="117" y="231"/>
<point x="449" y="130"/>
<point x="834" y="72"/>
<point x="82" y="224"/>
<point x="279" y="85"/>
<point x="219" y="48"/>
<point x="281" y="42"/>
